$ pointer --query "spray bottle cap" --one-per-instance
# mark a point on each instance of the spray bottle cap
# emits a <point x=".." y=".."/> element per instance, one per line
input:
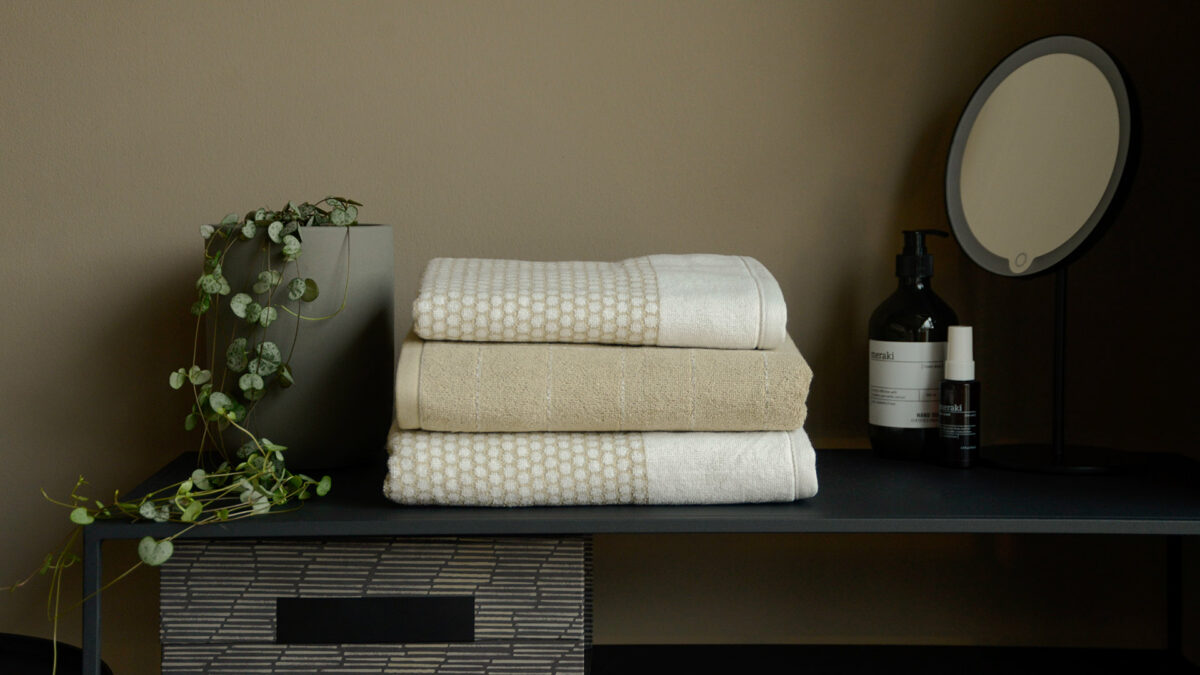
<point x="915" y="260"/>
<point x="960" y="358"/>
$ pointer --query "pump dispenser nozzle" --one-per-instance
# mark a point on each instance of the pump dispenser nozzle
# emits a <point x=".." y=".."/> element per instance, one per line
<point x="960" y="358"/>
<point x="915" y="260"/>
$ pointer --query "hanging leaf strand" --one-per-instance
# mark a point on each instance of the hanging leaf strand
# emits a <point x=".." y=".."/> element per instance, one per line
<point x="242" y="370"/>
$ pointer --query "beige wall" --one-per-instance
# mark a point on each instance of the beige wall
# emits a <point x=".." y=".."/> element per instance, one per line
<point x="806" y="134"/>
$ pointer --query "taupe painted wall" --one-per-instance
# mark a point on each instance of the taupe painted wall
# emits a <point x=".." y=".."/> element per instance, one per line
<point x="806" y="134"/>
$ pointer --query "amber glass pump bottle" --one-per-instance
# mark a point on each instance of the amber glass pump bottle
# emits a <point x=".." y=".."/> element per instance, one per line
<point x="907" y="355"/>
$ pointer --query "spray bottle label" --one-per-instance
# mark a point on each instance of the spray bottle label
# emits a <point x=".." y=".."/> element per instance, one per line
<point x="904" y="379"/>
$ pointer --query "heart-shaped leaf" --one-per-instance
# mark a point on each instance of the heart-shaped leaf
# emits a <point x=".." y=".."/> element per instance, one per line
<point x="266" y="280"/>
<point x="199" y="376"/>
<point x="249" y="230"/>
<point x="191" y="421"/>
<point x="235" y="355"/>
<point x="147" y="510"/>
<point x="267" y="316"/>
<point x="155" y="553"/>
<point x="253" y="312"/>
<point x="269" y="351"/>
<point x="229" y="219"/>
<point x="260" y="504"/>
<point x="297" y="288"/>
<point x="291" y="247"/>
<point x="192" y="512"/>
<point x="250" y="381"/>
<point x="239" y="303"/>
<point x="80" y="516"/>
<point x="200" y="479"/>
<point x="311" y="291"/>
<point x="207" y="231"/>
<point x="268" y="359"/>
<point x="210" y="283"/>
<point x="220" y="402"/>
<point x="324" y="485"/>
<point x="178" y="378"/>
<point x="275" y="231"/>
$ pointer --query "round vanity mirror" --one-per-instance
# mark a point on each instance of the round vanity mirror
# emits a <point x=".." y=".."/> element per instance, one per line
<point x="1038" y="156"/>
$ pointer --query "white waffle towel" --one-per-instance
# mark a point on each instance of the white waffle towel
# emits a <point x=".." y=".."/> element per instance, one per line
<point x="695" y="300"/>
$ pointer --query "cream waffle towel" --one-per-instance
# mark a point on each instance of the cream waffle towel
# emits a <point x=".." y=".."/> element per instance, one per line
<point x="698" y="300"/>
<point x="555" y="469"/>
<point x="477" y="386"/>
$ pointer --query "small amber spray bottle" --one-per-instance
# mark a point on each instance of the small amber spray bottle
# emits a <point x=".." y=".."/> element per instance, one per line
<point x="958" y="406"/>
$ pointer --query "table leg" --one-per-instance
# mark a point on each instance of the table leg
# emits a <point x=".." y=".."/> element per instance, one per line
<point x="1175" y="594"/>
<point x="91" y="602"/>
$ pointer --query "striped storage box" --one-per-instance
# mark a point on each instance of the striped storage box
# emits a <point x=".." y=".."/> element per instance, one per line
<point x="404" y="605"/>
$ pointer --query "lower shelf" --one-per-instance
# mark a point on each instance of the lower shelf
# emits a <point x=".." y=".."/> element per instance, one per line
<point x="839" y="659"/>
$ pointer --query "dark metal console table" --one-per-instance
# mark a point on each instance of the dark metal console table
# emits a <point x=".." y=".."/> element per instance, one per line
<point x="859" y="493"/>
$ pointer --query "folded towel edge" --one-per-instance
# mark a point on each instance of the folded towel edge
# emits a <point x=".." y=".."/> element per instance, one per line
<point x="804" y="463"/>
<point x="408" y="382"/>
<point x="772" y="325"/>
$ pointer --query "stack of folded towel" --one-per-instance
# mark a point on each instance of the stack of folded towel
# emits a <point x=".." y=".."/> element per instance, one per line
<point x="665" y="379"/>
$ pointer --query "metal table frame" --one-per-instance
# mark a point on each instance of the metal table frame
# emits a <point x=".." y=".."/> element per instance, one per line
<point x="859" y="493"/>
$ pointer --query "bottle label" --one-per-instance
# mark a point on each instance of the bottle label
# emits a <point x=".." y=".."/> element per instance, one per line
<point x="960" y="426"/>
<point x="903" y="383"/>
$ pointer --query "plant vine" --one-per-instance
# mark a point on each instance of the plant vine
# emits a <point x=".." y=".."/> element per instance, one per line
<point x="254" y="479"/>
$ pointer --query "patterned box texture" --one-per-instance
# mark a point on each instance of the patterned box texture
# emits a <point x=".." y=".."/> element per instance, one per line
<point x="532" y="602"/>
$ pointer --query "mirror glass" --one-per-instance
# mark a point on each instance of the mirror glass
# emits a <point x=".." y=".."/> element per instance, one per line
<point x="1038" y="155"/>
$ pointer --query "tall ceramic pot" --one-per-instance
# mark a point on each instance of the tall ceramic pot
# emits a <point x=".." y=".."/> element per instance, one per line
<point x="339" y="408"/>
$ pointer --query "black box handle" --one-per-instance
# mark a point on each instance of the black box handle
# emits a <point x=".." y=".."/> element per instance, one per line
<point x="374" y="620"/>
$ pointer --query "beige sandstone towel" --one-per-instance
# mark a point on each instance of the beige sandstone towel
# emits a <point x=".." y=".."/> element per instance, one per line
<point x="694" y="300"/>
<point x="470" y="386"/>
<point x="636" y="467"/>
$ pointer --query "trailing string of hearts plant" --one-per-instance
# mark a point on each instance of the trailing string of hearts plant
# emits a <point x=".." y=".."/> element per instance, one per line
<point x="254" y="479"/>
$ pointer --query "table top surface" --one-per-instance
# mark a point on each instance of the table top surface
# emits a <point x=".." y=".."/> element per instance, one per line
<point x="859" y="493"/>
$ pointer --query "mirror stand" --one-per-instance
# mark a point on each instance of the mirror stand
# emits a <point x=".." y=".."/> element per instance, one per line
<point x="1057" y="456"/>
